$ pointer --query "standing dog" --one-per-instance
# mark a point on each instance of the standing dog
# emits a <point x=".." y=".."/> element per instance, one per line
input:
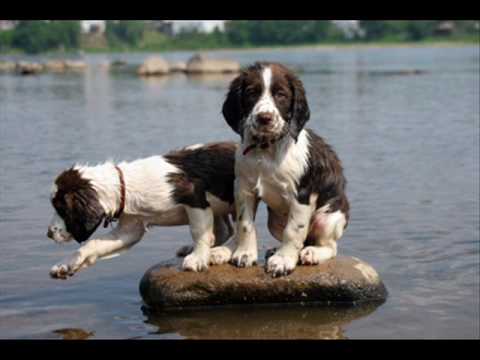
<point x="191" y="186"/>
<point x="292" y="169"/>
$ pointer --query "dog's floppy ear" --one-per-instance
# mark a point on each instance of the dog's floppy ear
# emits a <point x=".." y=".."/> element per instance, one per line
<point x="83" y="213"/>
<point x="232" y="109"/>
<point x="300" y="112"/>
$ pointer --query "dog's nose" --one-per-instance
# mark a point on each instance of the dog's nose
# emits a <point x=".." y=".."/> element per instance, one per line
<point x="50" y="233"/>
<point x="264" y="118"/>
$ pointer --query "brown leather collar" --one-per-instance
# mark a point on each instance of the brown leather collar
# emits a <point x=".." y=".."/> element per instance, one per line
<point x="118" y="213"/>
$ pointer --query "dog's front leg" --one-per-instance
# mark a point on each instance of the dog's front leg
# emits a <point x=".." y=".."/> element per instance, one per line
<point x="126" y="234"/>
<point x="285" y="259"/>
<point x="246" y="202"/>
<point x="201" y="228"/>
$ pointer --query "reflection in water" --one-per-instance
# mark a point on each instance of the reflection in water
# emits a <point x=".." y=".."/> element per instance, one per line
<point x="211" y="79"/>
<point x="159" y="81"/>
<point x="273" y="322"/>
<point x="74" y="334"/>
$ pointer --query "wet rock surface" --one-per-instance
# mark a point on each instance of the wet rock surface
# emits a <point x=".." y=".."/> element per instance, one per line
<point x="343" y="280"/>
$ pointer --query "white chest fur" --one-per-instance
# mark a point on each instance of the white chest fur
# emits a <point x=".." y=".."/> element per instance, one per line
<point x="273" y="174"/>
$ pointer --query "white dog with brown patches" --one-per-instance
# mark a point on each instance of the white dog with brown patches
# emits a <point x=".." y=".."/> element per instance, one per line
<point x="293" y="170"/>
<point x="192" y="186"/>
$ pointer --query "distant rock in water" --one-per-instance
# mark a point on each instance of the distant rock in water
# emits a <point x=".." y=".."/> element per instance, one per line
<point x="200" y="64"/>
<point x="178" y="66"/>
<point x="55" y="66"/>
<point x="154" y="66"/>
<point x="77" y="65"/>
<point x="7" y="66"/>
<point x="343" y="280"/>
<point x="28" y="68"/>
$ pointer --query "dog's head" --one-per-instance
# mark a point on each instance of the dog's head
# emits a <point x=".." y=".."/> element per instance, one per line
<point x="266" y="100"/>
<point x="78" y="211"/>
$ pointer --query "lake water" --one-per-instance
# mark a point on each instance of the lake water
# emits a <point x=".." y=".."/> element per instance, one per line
<point x="410" y="148"/>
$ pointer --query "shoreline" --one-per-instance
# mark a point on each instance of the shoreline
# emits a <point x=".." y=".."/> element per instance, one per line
<point x="325" y="46"/>
<point x="321" y="46"/>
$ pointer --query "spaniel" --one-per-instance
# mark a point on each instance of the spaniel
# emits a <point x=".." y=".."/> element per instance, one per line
<point x="191" y="186"/>
<point x="292" y="169"/>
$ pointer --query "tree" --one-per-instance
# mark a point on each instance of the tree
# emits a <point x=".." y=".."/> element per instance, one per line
<point x="36" y="36"/>
<point x="125" y="32"/>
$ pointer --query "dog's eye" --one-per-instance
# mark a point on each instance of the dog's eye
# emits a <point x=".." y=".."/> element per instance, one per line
<point x="280" y="95"/>
<point x="251" y="91"/>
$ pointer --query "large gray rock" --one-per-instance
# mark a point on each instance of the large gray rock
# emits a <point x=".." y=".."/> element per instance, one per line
<point x="199" y="64"/>
<point x="344" y="280"/>
<point x="154" y="66"/>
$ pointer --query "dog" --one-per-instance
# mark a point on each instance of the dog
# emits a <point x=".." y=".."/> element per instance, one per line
<point x="191" y="186"/>
<point x="292" y="169"/>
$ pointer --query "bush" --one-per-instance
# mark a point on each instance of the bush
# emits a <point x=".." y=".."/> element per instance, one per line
<point x="124" y="32"/>
<point x="6" y="38"/>
<point x="37" y="36"/>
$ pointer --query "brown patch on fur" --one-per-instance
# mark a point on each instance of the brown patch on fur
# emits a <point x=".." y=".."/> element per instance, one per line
<point x="209" y="168"/>
<point x="76" y="201"/>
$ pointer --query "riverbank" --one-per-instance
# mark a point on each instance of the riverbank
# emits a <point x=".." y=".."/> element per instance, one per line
<point x="322" y="46"/>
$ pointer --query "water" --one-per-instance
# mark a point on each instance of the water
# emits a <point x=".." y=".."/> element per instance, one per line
<point x="410" y="148"/>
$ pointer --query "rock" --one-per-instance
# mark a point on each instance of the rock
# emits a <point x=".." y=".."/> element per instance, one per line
<point x="178" y="66"/>
<point x="118" y="64"/>
<point x="55" y="66"/>
<point x="28" y="68"/>
<point x="200" y="64"/>
<point x="76" y="65"/>
<point x="345" y="280"/>
<point x="154" y="66"/>
<point x="7" y="66"/>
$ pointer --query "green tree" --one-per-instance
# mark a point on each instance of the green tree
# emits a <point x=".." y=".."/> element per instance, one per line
<point x="36" y="36"/>
<point x="128" y="32"/>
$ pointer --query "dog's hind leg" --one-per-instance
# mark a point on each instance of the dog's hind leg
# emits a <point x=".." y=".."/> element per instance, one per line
<point x="223" y="229"/>
<point x="325" y="230"/>
<point x="201" y="222"/>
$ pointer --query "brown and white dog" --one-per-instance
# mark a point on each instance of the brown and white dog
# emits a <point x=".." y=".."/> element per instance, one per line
<point x="292" y="169"/>
<point x="192" y="186"/>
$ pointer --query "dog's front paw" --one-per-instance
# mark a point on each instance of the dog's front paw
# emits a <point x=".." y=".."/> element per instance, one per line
<point x="280" y="265"/>
<point x="269" y="253"/>
<point x="195" y="262"/>
<point x="244" y="258"/>
<point x="220" y="255"/>
<point x="61" y="271"/>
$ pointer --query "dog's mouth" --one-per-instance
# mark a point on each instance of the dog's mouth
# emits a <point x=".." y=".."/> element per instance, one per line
<point x="267" y="131"/>
<point x="59" y="237"/>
